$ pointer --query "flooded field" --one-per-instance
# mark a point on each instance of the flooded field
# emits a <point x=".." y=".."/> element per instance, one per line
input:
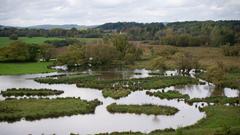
<point x="103" y="121"/>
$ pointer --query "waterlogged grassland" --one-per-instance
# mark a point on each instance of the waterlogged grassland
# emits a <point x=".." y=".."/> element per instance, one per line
<point x="168" y="95"/>
<point x="119" y="88"/>
<point x="207" y="56"/>
<point x="71" y="79"/>
<point x="115" y="93"/>
<point x="132" y="84"/>
<point x="148" y="109"/>
<point x="220" y="120"/>
<point x="25" y="68"/>
<point x="33" y="109"/>
<point x="4" y="41"/>
<point x="30" y="92"/>
<point x="216" y="99"/>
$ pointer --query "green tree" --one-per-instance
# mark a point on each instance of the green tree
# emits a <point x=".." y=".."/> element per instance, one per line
<point x="121" y="44"/>
<point x="185" y="62"/>
<point x="74" y="55"/>
<point x="13" y="37"/>
<point x="47" y="52"/>
<point x="101" y="54"/>
<point x="15" y="52"/>
<point x="216" y="74"/>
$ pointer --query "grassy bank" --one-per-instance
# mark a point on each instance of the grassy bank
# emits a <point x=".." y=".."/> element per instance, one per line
<point x="142" y="109"/>
<point x="168" y="95"/>
<point x="115" y="94"/>
<point x="30" y="92"/>
<point x="24" y="68"/>
<point x="33" y="109"/>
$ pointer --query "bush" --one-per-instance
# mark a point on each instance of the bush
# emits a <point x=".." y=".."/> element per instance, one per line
<point x="18" y="52"/>
<point x="231" y="50"/>
<point x="13" y="37"/>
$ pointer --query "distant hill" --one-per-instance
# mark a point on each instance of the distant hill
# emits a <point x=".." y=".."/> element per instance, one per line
<point x="65" y="26"/>
<point x="3" y="26"/>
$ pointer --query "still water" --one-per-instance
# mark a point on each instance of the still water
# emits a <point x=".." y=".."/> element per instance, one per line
<point x="103" y="121"/>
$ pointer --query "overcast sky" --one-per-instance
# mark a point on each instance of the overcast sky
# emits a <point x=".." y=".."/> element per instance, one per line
<point x="91" y="12"/>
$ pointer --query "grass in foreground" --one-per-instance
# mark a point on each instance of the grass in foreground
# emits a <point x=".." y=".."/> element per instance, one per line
<point x="30" y="92"/>
<point x="168" y="95"/>
<point x="24" y="68"/>
<point x="115" y="94"/>
<point x="33" y="109"/>
<point x="148" y="109"/>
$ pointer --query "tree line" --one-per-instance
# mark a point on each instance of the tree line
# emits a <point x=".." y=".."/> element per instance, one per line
<point x="193" y="33"/>
<point x="26" y="32"/>
<point x="21" y="52"/>
<point x="112" y="50"/>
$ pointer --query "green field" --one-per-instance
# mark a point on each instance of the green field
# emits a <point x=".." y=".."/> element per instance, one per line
<point x="24" y="68"/>
<point x="4" y="41"/>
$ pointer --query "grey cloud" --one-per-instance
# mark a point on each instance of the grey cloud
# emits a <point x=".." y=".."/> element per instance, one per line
<point x="90" y="12"/>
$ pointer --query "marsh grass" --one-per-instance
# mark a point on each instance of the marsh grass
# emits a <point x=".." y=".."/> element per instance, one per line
<point x="115" y="93"/>
<point x="70" y="79"/>
<point x="207" y="56"/>
<point x="148" y="109"/>
<point x="132" y="84"/>
<point x="30" y="92"/>
<point x="168" y="95"/>
<point x="217" y="100"/>
<point x="34" y="109"/>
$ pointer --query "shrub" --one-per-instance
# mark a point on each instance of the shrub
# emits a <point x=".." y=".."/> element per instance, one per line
<point x="13" y="37"/>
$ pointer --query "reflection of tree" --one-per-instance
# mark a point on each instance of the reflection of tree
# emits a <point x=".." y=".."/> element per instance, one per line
<point x="218" y="92"/>
<point x="156" y="119"/>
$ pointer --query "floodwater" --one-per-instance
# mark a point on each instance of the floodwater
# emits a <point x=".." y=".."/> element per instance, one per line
<point x="102" y="121"/>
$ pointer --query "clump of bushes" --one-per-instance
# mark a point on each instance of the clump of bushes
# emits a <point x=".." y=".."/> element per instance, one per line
<point x="18" y="52"/>
<point x="30" y="92"/>
<point x="168" y="51"/>
<point x="13" y="37"/>
<point x="231" y="50"/>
